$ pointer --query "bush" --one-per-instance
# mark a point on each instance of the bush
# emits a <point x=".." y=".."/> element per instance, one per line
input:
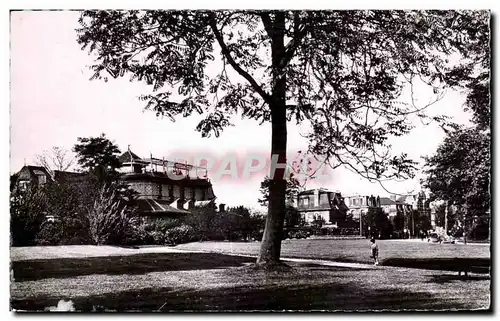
<point x="109" y="219"/>
<point x="180" y="234"/>
<point x="298" y="233"/>
<point x="257" y="235"/>
<point x="137" y="235"/>
<point x="26" y="216"/>
<point x="49" y="234"/>
<point x="158" y="237"/>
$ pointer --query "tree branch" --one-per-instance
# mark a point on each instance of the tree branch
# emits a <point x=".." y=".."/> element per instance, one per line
<point x="295" y="42"/>
<point x="268" y="24"/>
<point x="234" y="64"/>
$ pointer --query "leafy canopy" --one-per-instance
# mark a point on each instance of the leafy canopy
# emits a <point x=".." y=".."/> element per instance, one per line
<point x="344" y="70"/>
<point x="98" y="155"/>
<point x="459" y="171"/>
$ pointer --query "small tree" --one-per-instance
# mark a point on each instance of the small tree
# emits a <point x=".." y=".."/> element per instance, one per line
<point x="203" y="221"/>
<point x="56" y="159"/>
<point x="110" y="219"/>
<point x="292" y="188"/>
<point x="379" y="223"/>
<point x="98" y="156"/>
<point x="293" y="217"/>
<point x="242" y="220"/>
<point x="27" y="210"/>
<point x="399" y="221"/>
<point x="459" y="172"/>
<point x="67" y="203"/>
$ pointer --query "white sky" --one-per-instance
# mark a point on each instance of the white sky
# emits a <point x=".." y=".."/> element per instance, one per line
<point x="53" y="102"/>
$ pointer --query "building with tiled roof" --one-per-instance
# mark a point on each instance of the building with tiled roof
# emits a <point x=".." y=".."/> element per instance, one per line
<point x="166" y="188"/>
<point x="359" y="204"/>
<point x="323" y="204"/>
<point x="30" y="175"/>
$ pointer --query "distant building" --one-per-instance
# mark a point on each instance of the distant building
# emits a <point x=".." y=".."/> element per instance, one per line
<point x="359" y="204"/>
<point x="166" y="188"/>
<point x="38" y="176"/>
<point x="32" y="176"/>
<point x="389" y="205"/>
<point x="323" y="204"/>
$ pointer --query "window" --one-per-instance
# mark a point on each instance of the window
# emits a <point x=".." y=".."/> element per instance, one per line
<point x="323" y="199"/>
<point x="42" y="179"/>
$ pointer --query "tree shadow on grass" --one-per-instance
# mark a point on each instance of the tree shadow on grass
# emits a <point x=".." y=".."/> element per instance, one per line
<point x="324" y="297"/>
<point x="477" y="265"/>
<point x="448" y="278"/>
<point x="320" y="267"/>
<point x="130" y="264"/>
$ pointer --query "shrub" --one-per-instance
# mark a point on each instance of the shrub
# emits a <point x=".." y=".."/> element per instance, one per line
<point x="49" y="234"/>
<point x="109" y="220"/>
<point x="138" y="234"/>
<point x="158" y="237"/>
<point x="298" y="233"/>
<point x="180" y="234"/>
<point x="26" y="216"/>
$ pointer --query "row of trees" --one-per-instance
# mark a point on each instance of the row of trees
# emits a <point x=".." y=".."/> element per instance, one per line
<point x="460" y="170"/>
<point x="403" y="225"/>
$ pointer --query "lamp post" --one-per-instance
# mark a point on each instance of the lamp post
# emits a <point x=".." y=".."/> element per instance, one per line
<point x="446" y="218"/>
<point x="360" y="223"/>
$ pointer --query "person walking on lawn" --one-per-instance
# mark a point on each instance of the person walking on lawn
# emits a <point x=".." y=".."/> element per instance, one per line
<point x="374" y="248"/>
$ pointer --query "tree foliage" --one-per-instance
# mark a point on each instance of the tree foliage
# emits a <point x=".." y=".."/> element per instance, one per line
<point x="340" y="67"/>
<point x="26" y="215"/>
<point x="472" y="75"/>
<point x="293" y="217"/>
<point x="292" y="188"/>
<point x="459" y="172"/>
<point x="55" y="159"/>
<point x="340" y="72"/>
<point x="99" y="156"/>
<point x="110" y="219"/>
<point x="378" y="224"/>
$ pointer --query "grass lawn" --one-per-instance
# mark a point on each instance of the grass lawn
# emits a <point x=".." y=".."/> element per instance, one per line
<point x="350" y="250"/>
<point x="211" y="281"/>
<point x="170" y="279"/>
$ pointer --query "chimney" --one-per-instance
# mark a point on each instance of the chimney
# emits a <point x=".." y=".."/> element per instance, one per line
<point x="222" y="207"/>
<point x="316" y="198"/>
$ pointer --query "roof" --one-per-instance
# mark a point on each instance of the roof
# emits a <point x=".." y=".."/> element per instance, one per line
<point x="29" y="171"/>
<point x="128" y="157"/>
<point x="164" y="178"/>
<point x="386" y="201"/>
<point x="312" y="191"/>
<point x="402" y="199"/>
<point x="151" y="206"/>
<point x="58" y="175"/>
<point x="203" y="203"/>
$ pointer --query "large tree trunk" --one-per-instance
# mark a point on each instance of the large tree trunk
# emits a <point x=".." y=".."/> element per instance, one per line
<point x="271" y="242"/>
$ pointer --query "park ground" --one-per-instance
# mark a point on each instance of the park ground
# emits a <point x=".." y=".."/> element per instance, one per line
<point x="326" y="275"/>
